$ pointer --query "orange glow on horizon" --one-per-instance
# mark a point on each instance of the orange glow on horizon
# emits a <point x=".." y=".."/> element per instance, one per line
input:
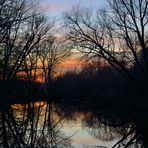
<point x="70" y="63"/>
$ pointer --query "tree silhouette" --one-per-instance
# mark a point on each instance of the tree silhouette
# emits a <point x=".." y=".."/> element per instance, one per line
<point x="118" y="34"/>
<point x="51" y="53"/>
<point x="22" y="27"/>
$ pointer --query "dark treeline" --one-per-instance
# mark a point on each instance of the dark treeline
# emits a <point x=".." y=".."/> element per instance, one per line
<point x="86" y="82"/>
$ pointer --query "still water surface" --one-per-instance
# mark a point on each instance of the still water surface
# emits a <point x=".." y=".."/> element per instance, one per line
<point x="42" y="124"/>
<point x="82" y="138"/>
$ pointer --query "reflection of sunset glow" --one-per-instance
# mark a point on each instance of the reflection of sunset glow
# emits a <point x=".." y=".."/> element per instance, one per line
<point x="25" y="106"/>
<point x="72" y="126"/>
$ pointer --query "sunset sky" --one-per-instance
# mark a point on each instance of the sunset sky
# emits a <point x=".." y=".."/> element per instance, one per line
<point x="55" y="8"/>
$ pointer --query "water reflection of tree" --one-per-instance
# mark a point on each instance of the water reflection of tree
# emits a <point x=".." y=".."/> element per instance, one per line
<point x="99" y="130"/>
<point x="31" y="125"/>
<point x="104" y="130"/>
<point x="106" y="125"/>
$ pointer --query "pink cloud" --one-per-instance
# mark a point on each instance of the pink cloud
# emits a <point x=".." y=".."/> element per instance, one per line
<point x="53" y="6"/>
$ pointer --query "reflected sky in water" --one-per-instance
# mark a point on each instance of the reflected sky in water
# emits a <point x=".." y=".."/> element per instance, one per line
<point x="46" y="124"/>
<point x="70" y="125"/>
<point x="82" y="137"/>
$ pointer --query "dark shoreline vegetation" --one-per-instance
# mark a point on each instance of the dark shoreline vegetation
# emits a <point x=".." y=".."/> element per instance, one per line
<point x="110" y="89"/>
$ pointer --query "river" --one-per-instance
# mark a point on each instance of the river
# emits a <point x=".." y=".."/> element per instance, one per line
<point x="46" y="124"/>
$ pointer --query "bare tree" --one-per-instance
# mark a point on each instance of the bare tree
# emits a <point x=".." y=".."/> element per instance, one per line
<point x="51" y="53"/>
<point x="118" y="34"/>
<point x="30" y="66"/>
<point x="22" y="27"/>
